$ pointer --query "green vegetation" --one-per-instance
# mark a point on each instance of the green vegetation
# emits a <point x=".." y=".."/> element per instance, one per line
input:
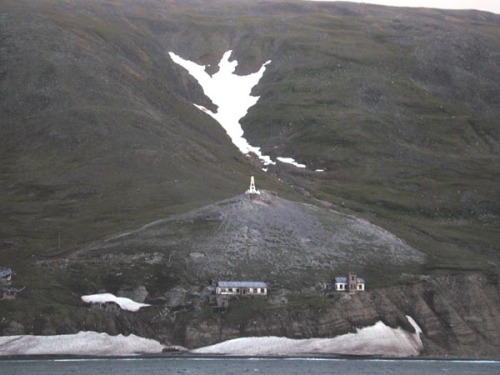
<point x="99" y="136"/>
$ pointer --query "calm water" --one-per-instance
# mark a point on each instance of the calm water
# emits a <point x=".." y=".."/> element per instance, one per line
<point x="261" y="366"/>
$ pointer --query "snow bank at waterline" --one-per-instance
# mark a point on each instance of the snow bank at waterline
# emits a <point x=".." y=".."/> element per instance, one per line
<point x="82" y="343"/>
<point x="379" y="340"/>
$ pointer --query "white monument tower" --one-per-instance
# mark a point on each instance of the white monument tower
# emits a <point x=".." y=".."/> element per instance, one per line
<point x="252" y="190"/>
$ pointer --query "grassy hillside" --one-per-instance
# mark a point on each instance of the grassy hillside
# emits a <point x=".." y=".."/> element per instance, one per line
<point x="399" y="107"/>
<point x="95" y="135"/>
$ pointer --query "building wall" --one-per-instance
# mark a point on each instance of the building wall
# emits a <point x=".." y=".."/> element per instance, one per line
<point x="241" y="291"/>
<point x="341" y="287"/>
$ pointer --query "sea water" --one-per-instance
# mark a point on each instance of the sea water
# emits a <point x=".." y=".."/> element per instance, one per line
<point x="244" y="365"/>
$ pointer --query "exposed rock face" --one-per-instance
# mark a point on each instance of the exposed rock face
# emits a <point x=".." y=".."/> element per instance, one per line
<point x="14" y="328"/>
<point x="458" y="315"/>
<point x="399" y="108"/>
<point x="139" y="294"/>
<point x="177" y="297"/>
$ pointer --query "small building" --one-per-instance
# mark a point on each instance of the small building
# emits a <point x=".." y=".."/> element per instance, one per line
<point x="8" y="292"/>
<point x="352" y="283"/>
<point x="241" y="288"/>
<point x="5" y="275"/>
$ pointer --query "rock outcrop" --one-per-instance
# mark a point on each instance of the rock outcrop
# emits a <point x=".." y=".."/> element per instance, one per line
<point x="458" y="315"/>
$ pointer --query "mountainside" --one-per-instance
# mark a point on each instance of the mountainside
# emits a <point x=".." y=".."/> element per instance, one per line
<point x="296" y="246"/>
<point x="113" y="180"/>
<point x="397" y="106"/>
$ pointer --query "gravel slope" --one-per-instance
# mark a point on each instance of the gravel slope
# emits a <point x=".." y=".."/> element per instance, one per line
<point x="267" y="238"/>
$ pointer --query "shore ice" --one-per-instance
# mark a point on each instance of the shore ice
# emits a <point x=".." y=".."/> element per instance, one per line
<point x="378" y="340"/>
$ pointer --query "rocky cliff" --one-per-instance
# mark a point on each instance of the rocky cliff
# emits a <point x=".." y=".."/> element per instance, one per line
<point x="295" y="247"/>
<point x="98" y="136"/>
<point x="458" y="315"/>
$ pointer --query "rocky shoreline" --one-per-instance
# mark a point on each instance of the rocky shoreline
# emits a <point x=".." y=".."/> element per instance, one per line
<point x="458" y="316"/>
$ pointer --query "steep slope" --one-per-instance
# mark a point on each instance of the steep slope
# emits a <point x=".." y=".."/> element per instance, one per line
<point x="265" y="238"/>
<point x="449" y="327"/>
<point x="168" y="264"/>
<point x="94" y="135"/>
<point x="397" y="106"/>
<point x="99" y="135"/>
<point x="399" y="110"/>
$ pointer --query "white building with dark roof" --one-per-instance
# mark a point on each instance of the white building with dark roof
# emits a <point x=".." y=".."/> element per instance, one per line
<point x="351" y="283"/>
<point x="248" y="288"/>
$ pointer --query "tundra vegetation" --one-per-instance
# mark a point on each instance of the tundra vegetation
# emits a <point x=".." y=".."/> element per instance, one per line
<point x="112" y="181"/>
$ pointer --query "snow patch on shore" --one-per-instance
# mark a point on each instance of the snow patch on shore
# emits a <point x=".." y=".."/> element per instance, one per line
<point x="379" y="340"/>
<point x="82" y="343"/>
<point x="124" y="303"/>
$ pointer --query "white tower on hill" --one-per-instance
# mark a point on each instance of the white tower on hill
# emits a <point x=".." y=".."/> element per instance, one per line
<point x="252" y="190"/>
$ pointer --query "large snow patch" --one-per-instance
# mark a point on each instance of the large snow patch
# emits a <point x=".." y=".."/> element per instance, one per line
<point x="231" y="94"/>
<point x="82" y="343"/>
<point x="378" y="339"/>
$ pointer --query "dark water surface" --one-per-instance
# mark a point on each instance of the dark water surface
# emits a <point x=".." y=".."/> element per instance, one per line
<point x="254" y="365"/>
